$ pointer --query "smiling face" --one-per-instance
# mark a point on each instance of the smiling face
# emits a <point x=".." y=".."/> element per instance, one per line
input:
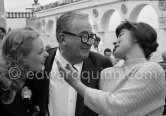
<point x="25" y="48"/>
<point x="36" y="58"/>
<point x="123" y="45"/>
<point x="74" y="46"/>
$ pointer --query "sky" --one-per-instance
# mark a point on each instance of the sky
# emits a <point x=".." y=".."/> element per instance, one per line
<point x="21" y="5"/>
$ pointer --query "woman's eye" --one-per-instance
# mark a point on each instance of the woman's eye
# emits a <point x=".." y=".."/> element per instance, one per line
<point x="120" y="35"/>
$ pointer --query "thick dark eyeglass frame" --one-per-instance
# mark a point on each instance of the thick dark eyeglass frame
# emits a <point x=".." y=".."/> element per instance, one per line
<point x="84" y="33"/>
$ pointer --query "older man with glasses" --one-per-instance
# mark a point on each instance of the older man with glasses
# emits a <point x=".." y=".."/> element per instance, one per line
<point x="75" y="37"/>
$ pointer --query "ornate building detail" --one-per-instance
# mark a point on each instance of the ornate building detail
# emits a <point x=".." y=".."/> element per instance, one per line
<point x="2" y="14"/>
<point x="123" y="8"/>
<point x="161" y="4"/>
<point x="20" y="14"/>
<point x="95" y="13"/>
<point x="43" y="22"/>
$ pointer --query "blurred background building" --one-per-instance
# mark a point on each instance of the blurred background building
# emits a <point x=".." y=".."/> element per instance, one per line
<point x="2" y="14"/>
<point x="104" y="15"/>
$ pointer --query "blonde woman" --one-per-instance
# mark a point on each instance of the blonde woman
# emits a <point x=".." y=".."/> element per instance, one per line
<point x="22" y="52"/>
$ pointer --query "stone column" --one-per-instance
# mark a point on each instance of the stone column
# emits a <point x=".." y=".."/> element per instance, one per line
<point x="2" y="14"/>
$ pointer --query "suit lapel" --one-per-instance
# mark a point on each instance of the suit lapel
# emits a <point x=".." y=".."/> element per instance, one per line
<point x="89" y="78"/>
<point x="89" y="73"/>
<point x="44" y="91"/>
<point x="49" y="60"/>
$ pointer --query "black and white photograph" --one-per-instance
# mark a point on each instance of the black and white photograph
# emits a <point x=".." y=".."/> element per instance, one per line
<point x="82" y="57"/>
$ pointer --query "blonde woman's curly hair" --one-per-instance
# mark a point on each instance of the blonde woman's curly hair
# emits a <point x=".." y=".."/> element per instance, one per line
<point x="16" y="46"/>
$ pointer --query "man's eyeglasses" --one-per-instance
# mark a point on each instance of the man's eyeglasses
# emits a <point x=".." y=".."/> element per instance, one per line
<point x="85" y="36"/>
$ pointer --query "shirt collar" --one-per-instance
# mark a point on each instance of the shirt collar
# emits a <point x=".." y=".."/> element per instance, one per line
<point x="61" y="59"/>
<point x="79" y="67"/>
<point x="64" y="62"/>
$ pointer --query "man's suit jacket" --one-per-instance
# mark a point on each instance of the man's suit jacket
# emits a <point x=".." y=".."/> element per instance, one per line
<point x="93" y="64"/>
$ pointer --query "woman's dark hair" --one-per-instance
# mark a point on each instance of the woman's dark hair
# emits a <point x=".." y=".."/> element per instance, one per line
<point x="144" y="34"/>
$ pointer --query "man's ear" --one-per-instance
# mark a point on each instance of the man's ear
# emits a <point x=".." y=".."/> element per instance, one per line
<point x="62" y="39"/>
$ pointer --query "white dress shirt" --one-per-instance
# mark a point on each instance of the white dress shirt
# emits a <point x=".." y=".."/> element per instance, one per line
<point x="138" y="88"/>
<point x="62" y="97"/>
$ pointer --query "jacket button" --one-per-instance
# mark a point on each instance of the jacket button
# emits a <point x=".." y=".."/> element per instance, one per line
<point x="27" y="110"/>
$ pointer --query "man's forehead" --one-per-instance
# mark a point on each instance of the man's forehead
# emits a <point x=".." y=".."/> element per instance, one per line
<point x="79" y="24"/>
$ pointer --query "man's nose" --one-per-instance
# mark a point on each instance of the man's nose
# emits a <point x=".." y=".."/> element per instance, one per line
<point x="90" y="41"/>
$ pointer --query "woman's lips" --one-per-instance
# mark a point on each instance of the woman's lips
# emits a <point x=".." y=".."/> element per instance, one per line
<point x="115" y="48"/>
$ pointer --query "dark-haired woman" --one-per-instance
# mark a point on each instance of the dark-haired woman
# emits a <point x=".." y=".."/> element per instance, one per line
<point x="138" y="88"/>
<point x="22" y="52"/>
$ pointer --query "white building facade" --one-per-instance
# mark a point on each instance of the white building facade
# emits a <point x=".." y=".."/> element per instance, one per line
<point x="100" y="12"/>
